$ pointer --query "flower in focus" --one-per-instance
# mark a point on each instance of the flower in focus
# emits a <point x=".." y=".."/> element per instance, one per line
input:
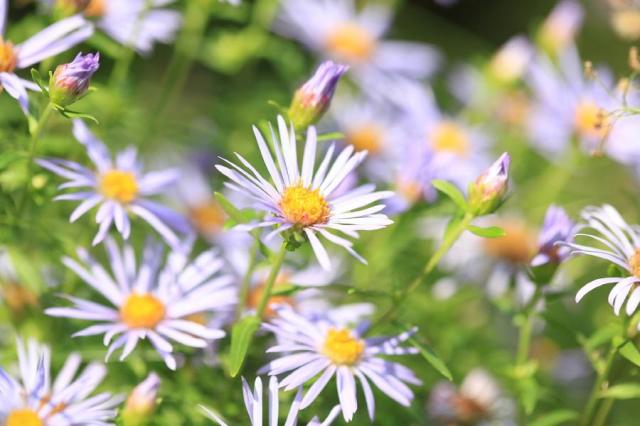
<point x="142" y="400"/>
<point x="254" y="404"/>
<point x="119" y="187"/>
<point x="616" y="242"/>
<point x="70" y="82"/>
<point x="557" y="227"/>
<point x="303" y="201"/>
<point x="477" y="401"/>
<point x="150" y="301"/>
<point x="488" y="191"/>
<point x="338" y="30"/>
<point x="51" y="41"/>
<point x="559" y="29"/>
<point x="321" y="346"/>
<point x="33" y="400"/>
<point x="312" y="100"/>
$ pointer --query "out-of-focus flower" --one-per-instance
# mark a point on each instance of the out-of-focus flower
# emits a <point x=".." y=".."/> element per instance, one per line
<point x="142" y="401"/>
<point x="488" y="191"/>
<point x="51" y="41"/>
<point x="618" y="243"/>
<point x="479" y="400"/>
<point x="320" y="346"/>
<point x="16" y="295"/>
<point x="150" y="301"/>
<point x="119" y="187"/>
<point x="556" y="228"/>
<point x="625" y="18"/>
<point x="302" y="200"/>
<point x="312" y="100"/>
<point x="511" y="61"/>
<point x="136" y="23"/>
<point x="33" y="400"/>
<point x="338" y="30"/>
<point x="559" y="29"/>
<point x="254" y="404"/>
<point x="70" y="82"/>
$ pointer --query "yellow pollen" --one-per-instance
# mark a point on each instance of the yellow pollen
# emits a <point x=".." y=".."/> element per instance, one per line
<point x="449" y="137"/>
<point x="365" y="138"/>
<point x="8" y="58"/>
<point x="634" y="263"/>
<point x="23" y="417"/>
<point x="142" y="311"/>
<point x="351" y="42"/>
<point x="95" y="8"/>
<point x="341" y="347"/>
<point x="303" y="206"/>
<point x="590" y="120"/>
<point x="516" y="247"/>
<point x="208" y="217"/>
<point x="119" y="185"/>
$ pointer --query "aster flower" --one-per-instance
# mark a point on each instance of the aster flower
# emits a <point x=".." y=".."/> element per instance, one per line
<point x="301" y="200"/>
<point x="556" y="228"/>
<point x="322" y="347"/>
<point x="254" y="404"/>
<point x="336" y="29"/>
<point x="618" y="243"/>
<point x="150" y="301"/>
<point x="119" y="188"/>
<point x="34" y="400"/>
<point x="559" y="29"/>
<point x="70" y="82"/>
<point x="49" y="42"/>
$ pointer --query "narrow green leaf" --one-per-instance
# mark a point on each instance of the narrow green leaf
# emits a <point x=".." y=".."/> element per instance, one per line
<point x="228" y="207"/>
<point x="330" y="136"/>
<point x="489" y="232"/>
<point x="37" y="78"/>
<point x="432" y="358"/>
<point x="451" y="191"/>
<point x="241" y="336"/>
<point x="630" y="352"/>
<point x="74" y="114"/>
<point x="622" y="391"/>
<point x="555" y="418"/>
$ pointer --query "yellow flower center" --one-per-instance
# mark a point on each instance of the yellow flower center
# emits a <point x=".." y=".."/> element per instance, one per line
<point x="303" y="206"/>
<point x="351" y="42"/>
<point x="517" y="246"/>
<point x="119" y="185"/>
<point x="208" y="217"/>
<point x="23" y="417"/>
<point x="634" y="263"/>
<point x="8" y="58"/>
<point x="627" y="23"/>
<point x="365" y="138"/>
<point x="449" y="137"/>
<point x="590" y="120"/>
<point x="95" y="8"/>
<point x="341" y="347"/>
<point x="142" y="311"/>
<point x="410" y="190"/>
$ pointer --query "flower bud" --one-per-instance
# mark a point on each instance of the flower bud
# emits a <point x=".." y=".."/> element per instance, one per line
<point x="487" y="192"/>
<point x="70" y="82"/>
<point x="142" y="401"/>
<point x="312" y="100"/>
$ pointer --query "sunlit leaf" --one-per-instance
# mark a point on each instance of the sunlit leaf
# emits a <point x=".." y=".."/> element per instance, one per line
<point x="432" y="358"/>
<point x="489" y="232"/>
<point x="555" y="418"/>
<point x="241" y="336"/>
<point x="622" y="391"/>
<point x="451" y="191"/>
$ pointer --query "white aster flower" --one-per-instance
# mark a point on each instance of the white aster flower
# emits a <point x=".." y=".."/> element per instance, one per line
<point x="304" y="200"/>
<point x="617" y="242"/>
<point x="118" y="187"/>
<point x="34" y="400"/>
<point x="49" y="42"/>
<point x="150" y="301"/>
<point x="322" y="347"/>
<point x="254" y="404"/>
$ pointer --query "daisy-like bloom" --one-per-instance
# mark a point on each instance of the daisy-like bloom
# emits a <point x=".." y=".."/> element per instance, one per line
<point x="119" y="188"/>
<point x="559" y="29"/>
<point x="139" y="24"/>
<point x="616" y="242"/>
<point x="253" y="401"/>
<point x="303" y="200"/>
<point x="49" y="42"/>
<point x="33" y="400"/>
<point x="320" y="346"/>
<point x="477" y="401"/>
<point x="150" y="301"/>
<point x="336" y="29"/>
<point x="556" y="228"/>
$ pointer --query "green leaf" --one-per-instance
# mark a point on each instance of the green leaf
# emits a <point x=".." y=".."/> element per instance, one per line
<point x="432" y="358"/>
<point x="241" y="336"/>
<point x="451" y="191"/>
<point x="622" y="391"/>
<point x="554" y="418"/>
<point x="74" y="114"/>
<point x="228" y="207"/>
<point x="37" y="78"/>
<point x="630" y="352"/>
<point x="330" y="136"/>
<point x="489" y="232"/>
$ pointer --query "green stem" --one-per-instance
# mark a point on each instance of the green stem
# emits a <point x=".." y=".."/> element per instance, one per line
<point x="603" y="375"/>
<point x="246" y="280"/>
<point x="603" y="412"/>
<point x="526" y="328"/>
<point x="273" y="276"/>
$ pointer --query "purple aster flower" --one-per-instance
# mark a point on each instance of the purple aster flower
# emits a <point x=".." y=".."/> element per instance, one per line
<point x="150" y="302"/>
<point x="119" y="188"/>
<point x="70" y="81"/>
<point x="49" y="42"/>
<point x="557" y="227"/>
<point x="322" y="347"/>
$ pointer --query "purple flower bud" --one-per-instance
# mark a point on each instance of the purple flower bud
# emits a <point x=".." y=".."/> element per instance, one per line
<point x="487" y="192"/>
<point x="70" y="82"/>
<point x="312" y="100"/>
<point x="557" y="227"/>
<point x="142" y="400"/>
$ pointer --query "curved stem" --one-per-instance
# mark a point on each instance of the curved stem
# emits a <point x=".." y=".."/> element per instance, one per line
<point x="273" y="276"/>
